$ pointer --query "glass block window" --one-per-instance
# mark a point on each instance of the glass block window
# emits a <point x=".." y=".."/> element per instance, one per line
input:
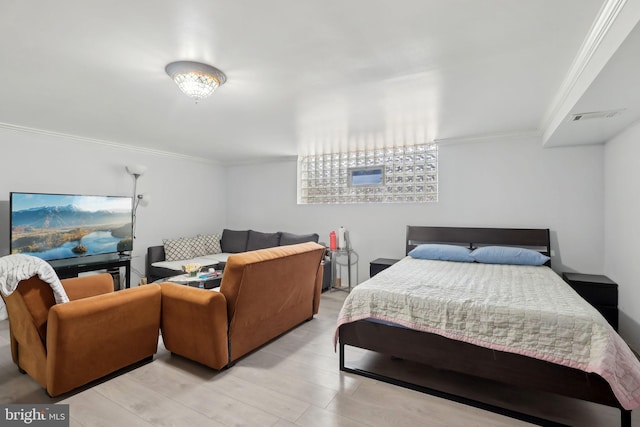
<point x="387" y="175"/>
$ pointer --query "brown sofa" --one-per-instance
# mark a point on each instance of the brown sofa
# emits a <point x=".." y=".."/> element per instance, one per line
<point x="64" y="346"/>
<point x="263" y="294"/>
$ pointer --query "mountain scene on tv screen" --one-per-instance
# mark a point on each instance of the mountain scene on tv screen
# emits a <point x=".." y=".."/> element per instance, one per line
<point x="56" y="232"/>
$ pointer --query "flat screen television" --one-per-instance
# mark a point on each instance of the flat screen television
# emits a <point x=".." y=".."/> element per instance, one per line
<point x="62" y="226"/>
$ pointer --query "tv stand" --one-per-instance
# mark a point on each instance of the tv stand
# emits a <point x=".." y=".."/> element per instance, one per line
<point x="73" y="267"/>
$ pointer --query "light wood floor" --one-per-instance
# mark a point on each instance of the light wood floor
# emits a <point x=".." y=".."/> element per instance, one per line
<point x="293" y="381"/>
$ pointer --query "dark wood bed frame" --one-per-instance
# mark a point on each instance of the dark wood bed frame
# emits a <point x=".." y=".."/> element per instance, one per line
<point x="447" y="354"/>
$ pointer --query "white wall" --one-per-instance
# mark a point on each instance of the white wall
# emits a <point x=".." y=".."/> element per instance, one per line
<point x="512" y="183"/>
<point x="622" y="227"/>
<point x="185" y="194"/>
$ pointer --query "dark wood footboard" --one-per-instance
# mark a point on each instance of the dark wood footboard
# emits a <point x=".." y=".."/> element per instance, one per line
<point x="456" y="356"/>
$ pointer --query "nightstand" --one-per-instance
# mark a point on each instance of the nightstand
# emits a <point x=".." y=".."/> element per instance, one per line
<point x="379" y="264"/>
<point x="599" y="291"/>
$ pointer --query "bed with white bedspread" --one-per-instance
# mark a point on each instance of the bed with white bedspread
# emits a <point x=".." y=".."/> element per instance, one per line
<point x="516" y="324"/>
<point x="528" y="310"/>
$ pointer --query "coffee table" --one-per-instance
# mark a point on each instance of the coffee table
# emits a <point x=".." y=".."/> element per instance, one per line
<point x="199" y="281"/>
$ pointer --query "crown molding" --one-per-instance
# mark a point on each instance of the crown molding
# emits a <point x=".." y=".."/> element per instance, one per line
<point x="103" y="143"/>
<point x="609" y="30"/>
<point x="261" y="160"/>
<point x="489" y="137"/>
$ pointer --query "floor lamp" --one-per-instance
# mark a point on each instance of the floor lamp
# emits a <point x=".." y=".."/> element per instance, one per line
<point x="136" y="171"/>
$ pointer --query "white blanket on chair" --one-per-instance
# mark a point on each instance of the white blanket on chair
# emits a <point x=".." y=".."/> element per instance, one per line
<point x="14" y="268"/>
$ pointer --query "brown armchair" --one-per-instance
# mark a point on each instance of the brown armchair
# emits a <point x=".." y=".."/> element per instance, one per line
<point x="64" y="346"/>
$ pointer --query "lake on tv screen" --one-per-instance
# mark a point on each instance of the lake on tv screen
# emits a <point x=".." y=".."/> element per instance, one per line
<point x="97" y="242"/>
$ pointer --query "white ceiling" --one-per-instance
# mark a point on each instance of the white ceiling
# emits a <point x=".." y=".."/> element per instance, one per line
<point x="307" y="76"/>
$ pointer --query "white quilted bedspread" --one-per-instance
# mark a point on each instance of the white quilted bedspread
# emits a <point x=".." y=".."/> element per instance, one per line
<point x="518" y="309"/>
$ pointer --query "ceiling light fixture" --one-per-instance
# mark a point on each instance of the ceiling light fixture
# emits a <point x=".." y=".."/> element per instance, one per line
<point x="195" y="79"/>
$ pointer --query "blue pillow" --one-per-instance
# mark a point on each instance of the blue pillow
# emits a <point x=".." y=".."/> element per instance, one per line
<point x="442" y="252"/>
<point x="508" y="255"/>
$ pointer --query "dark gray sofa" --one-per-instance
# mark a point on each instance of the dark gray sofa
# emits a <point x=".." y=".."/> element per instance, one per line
<point x="236" y="241"/>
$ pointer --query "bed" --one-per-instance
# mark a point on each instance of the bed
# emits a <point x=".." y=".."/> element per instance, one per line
<point x="438" y="347"/>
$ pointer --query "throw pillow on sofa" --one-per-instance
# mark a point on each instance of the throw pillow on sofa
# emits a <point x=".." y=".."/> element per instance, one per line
<point x="211" y="243"/>
<point x="197" y="246"/>
<point x="258" y="240"/>
<point x="177" y="249"/>
<point x="234" y="241"/>
<point x="204" y="244"/>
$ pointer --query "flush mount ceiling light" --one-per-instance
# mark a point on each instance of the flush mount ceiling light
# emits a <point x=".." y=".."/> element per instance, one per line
<point x="195" y="79"/>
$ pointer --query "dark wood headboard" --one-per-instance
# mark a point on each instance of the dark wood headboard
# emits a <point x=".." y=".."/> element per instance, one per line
<point x="531" y="238"/>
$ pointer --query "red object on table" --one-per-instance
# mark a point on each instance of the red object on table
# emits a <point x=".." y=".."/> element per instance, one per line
<point x="333" y="244"/>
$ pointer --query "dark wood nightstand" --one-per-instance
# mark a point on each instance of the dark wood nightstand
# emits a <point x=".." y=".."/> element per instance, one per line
<point x="379" y="264"/>
<point x="599" y="291"/>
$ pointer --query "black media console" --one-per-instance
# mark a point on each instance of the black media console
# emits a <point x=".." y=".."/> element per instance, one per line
<point x="73" y="267"/>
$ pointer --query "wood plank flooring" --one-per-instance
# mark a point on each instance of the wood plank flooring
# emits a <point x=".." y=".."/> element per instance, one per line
<point x="293" y="381"/>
